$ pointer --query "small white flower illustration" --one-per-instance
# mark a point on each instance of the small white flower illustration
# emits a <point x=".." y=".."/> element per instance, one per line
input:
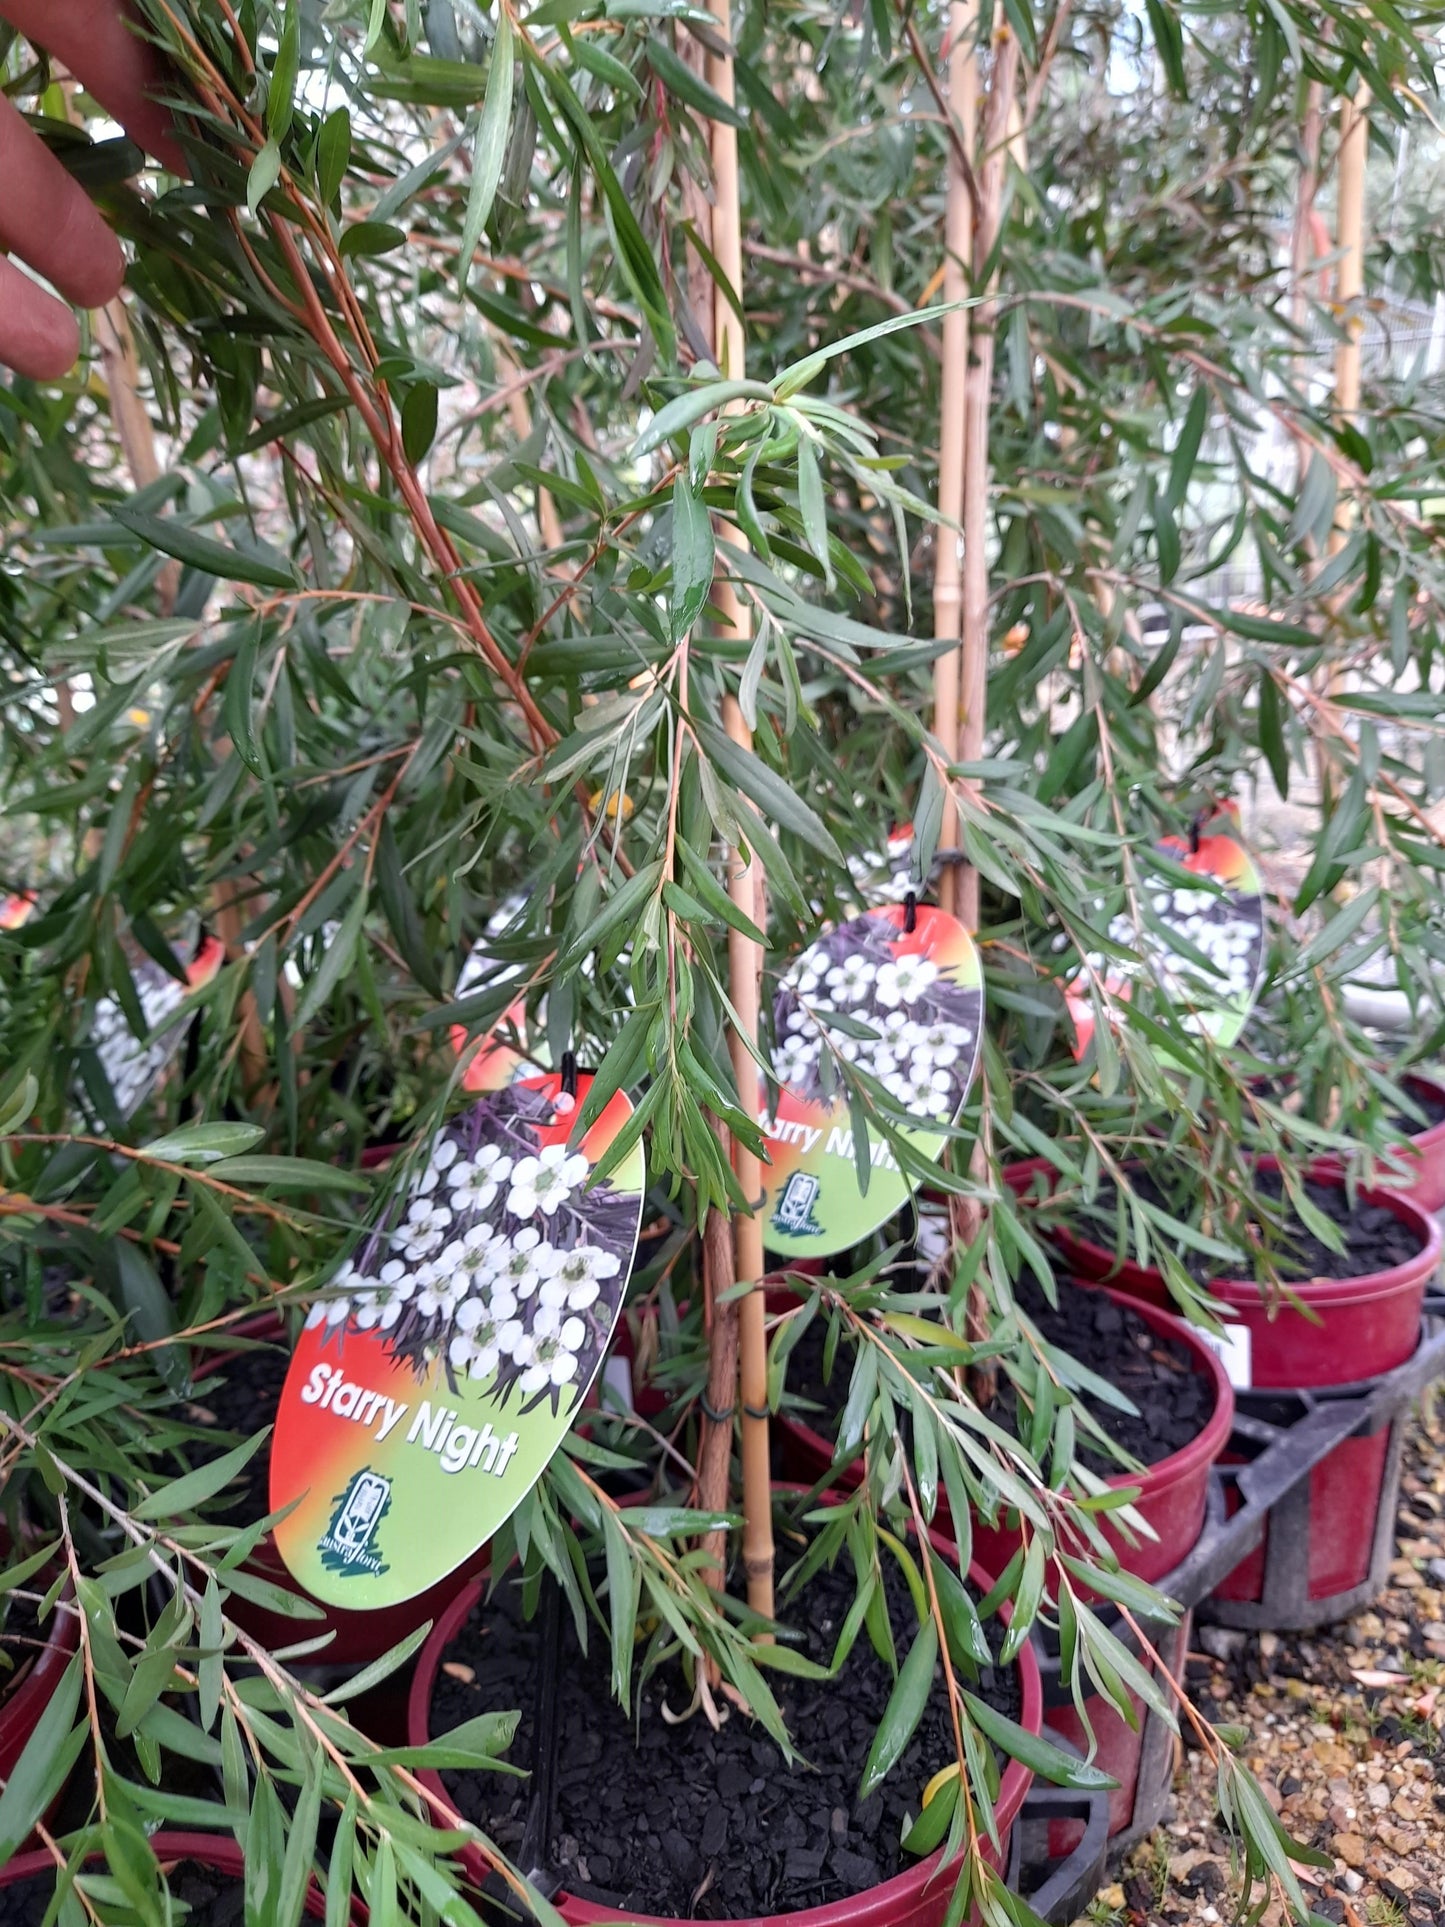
<point x="851" y="980"/>
<point x="476" y="1181"/>
<point x="528" y="1263"/>
<point x="387" y="1299"/>
<point x="545" y="1183"/>
<point x="904" y="980"/>
<point x="553" y="1358"/>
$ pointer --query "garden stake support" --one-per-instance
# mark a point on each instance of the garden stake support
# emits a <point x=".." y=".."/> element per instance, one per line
<point x="745" y="886"/>
<point x="957" y="255"/>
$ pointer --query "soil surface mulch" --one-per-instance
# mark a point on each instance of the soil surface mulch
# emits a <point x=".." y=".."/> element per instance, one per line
<point x="681" y="1820"/>
<point x="1174" y="1401"/>
<point x="1374" y="1238"/>
<point x="1347" y="1735"/>
<point x="1427" y="1099"/>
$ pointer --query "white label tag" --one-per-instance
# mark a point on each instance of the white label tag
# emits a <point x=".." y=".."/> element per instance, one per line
<point x="617" y="1377"/>
<point x="1233" y="1348"/>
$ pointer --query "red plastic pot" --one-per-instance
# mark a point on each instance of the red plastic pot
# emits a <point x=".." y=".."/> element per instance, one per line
<point x="218" y="1851"/>
<point x="917" y="1897"/>
<point x="1345" y="1493"/>
<point x="1172" y="1494"/>
<point x="1364" y="1326"/>
<point x="358" y="1637"/>
<point x="28" y="1697"/>
<point x="1428" y="1188"/>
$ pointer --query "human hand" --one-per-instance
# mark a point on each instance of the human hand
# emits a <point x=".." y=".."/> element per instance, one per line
<point x="46" y="220"/>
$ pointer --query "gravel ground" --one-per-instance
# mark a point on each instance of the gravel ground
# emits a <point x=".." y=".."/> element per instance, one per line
<point x="1347" y="1735"/>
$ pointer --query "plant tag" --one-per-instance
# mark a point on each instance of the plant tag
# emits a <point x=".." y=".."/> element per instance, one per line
<point x="428" y="1393"/>
<point x="1234" y="1348"/>
<point x="1203" y="947"/>
<point x="884" y="1011"/>
<point x="134" y="1065"/>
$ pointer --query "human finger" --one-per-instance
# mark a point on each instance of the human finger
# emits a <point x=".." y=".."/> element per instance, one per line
<point x="50" y="222"/>
<point x="96" y="41"/>
<point x="38" y="334"/>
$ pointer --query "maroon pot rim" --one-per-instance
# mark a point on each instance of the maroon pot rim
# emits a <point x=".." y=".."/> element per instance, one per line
<point x="1247" y="1293"/>
<point x="1433" y="1134"/>
<point x="20" y="1711"/>
<point x="219" y="1851"/>
<point x="858" y="1909"/>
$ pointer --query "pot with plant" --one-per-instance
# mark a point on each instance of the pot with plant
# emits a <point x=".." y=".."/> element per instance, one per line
<point x="1333" y="1302"/>
<point x="1150" y="1411"/>
<point x="203" y="1873"/>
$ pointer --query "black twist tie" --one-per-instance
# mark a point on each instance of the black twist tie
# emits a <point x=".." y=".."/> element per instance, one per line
<point x="910" y="914"/>
<point x="755" y="1412"/>
<point x="710" y="1410"/>
<point x="569" y="1072"/>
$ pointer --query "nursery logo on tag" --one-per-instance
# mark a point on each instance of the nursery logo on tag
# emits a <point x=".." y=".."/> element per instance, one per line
<point x="359" y="1511"/>
<point x="444" y="1367"/>
<point x="887" y="1009"/>
<point x="794" y="1214"/>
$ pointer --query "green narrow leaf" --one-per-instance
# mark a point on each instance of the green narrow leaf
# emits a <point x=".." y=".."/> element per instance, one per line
<point x="903" y="1711"/>
<point x="338" y="955"/>
<point x="281" y="94"/>
<point x="202" y="552"/>
<point x="678" y="78"/>
<point x="1271" y="733"/>
<point x="813" y="506"/>
<point x="240" y="685"/>
<point x="419" y="420"/>
<point x="333" y="153"/>
<point x="264" y="173"/>
<point x="1049" y="1762"/>
<point x="694" y="558"/>
<point x="493" y="126"/>
<point x="44" y="1765"/>
<point x="194" y="1488"/>
<point x="1186" y="449"/>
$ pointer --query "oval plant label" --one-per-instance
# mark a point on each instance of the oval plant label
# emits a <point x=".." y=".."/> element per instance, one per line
<point x="904" y="1011"/>
<point x="134" y="1065"/>
<point x="427" y="1395"/>
<point x="1202" y="943"/>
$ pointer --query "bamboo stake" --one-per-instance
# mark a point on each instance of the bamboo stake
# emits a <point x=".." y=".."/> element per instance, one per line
<point x="978" y="385"/>
<point x="965" y="1214"/>
<point x="745" y="886"/>
<point x="957" y="260"/>
<point x="1350" y="274"/>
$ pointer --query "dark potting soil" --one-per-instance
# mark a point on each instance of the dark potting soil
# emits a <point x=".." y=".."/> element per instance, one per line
<point x="1426" y="1099"/>
<point x="240" y="1398"/>
<point x="212" y="1899"/>
<point x="1374" y="1238"/>
<point x="1174" y="1400"/>
<point x="686" y="1822"/>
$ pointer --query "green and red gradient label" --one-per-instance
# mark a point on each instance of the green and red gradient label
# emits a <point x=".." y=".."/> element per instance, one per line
<point x="433" y="1384"/>
<point x="1203" y="948"/>
<point x="896" y="1016"/>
